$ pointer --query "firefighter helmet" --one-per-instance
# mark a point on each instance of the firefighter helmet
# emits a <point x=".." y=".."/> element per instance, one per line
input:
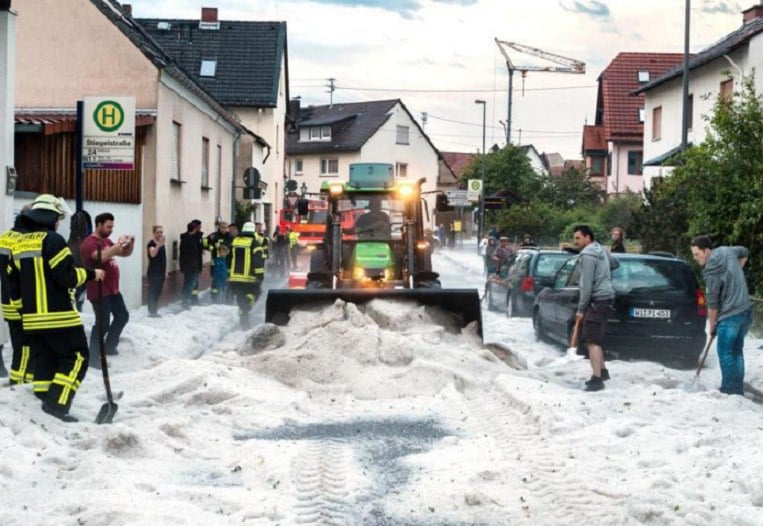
<point x="247" y="228"/>
<point x="52" y="203"/>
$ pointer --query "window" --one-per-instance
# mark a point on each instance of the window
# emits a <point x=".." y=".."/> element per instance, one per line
<point x="297" y="166"/>
<point x="401" y="136"/>
<point x="635" y="158"/>
<point x="315" y="133"/>
<point x="208" y="68"/>
<point x="657" y="123"/>
<point x="727" y="89"/>
<point x="643" y="76"/>
<point x="176" y="150"/>
<point x="329" y="167"/>
<point x="597" y="166"/>
<point x="204" y="162"/>
<point x="641" y="115"/>
<point x="401" y="170"/>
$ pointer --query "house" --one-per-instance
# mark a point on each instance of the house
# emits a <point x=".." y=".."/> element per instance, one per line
<point x="7" y="78"/>
<point x="244" y="66"/>
<point x="324" y="140"/>
<point x="718" y="69"/>
<point x="613" y="147"/>
<point x="185" y="139"/>
<point x="535" y="158"/>
<point x="554" y="163"/>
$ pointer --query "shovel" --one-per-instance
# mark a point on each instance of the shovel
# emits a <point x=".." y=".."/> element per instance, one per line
<point x="109" y="409"/>
<point x="702" y="360"/>
<point x="572" y="350"/>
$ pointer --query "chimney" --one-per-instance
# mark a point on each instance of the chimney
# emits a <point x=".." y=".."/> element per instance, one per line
<point x="127" y="8"/>
<point x="209" y="15"/>
<point x="752" y="13"/>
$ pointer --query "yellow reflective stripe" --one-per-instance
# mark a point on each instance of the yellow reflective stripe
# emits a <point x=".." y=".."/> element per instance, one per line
<point x="69" y="382"/>
<point x="51" y="320"/>
<point x="40" y="386"/>
<point x="58" y="258"/>
<point x="11" y="313"/>
<point x="40" y="292"/>
<point x="81" y="275"/>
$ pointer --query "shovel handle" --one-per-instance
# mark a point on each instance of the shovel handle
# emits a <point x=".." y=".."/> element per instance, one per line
<point x="575" y="334"/>
<point x="704" y="356"/>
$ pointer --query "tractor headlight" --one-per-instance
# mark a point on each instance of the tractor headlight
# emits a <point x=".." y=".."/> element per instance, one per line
<point x="406" y="191"/>
<point x="336" y="189"/>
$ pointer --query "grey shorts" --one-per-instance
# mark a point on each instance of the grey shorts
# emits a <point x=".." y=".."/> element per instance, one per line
<point x="595" y="321"/>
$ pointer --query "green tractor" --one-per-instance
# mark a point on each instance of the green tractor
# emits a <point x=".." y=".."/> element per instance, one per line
<point x="374" y="247"/>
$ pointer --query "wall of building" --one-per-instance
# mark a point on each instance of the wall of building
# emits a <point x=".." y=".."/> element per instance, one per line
<point x="619" y="180"/>
<point x="67" y="52"/>
<point x="704" y="85"/>
<point x="7" y="80"/>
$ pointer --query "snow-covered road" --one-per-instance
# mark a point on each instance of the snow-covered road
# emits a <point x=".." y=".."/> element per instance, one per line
<point x="380" y="416"/>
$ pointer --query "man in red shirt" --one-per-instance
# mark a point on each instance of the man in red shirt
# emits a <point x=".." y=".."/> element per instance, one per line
<point x="98" y="251"/>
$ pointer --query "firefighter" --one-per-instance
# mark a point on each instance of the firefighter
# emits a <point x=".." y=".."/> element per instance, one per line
<point x="247" y="270"/>
<point x="22" y="366"/>
<point x="44" y="274"/>
<point x="213" y="242"/>
<point x="293" y="238"/>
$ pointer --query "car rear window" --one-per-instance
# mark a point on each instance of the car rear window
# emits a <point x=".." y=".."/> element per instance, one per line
<point x="548" y="264"/>
<point x="653" y="275"/>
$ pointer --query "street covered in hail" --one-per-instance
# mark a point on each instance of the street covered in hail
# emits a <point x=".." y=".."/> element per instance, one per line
<point x="383" y="414"/>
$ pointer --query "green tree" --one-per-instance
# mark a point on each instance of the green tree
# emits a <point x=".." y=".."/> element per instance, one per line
<point x="507" y="168"/>
<point x="572" y="188"/>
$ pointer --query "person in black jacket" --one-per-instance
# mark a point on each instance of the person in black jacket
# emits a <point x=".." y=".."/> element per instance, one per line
<point x="191" y="249"/>
<point x="618" y="240"/>
<point x="42" y="276"/>
<point x="213" y="242"/>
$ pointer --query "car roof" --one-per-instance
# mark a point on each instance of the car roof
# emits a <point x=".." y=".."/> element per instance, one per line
<point x="652" y="257"/>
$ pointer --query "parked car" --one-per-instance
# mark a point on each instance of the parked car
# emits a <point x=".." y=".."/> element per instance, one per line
<point x="530" y="271"/>
<point x="659" y="306"/>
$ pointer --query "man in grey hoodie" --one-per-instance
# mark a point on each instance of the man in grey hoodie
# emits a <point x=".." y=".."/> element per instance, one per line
<point x="729" y="309"/>
<point x="596" y="300"/>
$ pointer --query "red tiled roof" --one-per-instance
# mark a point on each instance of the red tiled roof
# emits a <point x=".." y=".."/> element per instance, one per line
<point x="458" y="161"/>
<point x="593" y="138"/>
<point x="53" y="122"/>
<point x="619" y="79"/>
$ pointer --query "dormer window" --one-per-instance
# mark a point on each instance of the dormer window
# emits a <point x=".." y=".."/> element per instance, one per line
<point x="314" y="133"/>
<point x="643" y="76"/>
<point x="208" y="68"/>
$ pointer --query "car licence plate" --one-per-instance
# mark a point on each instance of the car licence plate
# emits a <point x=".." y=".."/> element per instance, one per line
<point x="650" y="313"/>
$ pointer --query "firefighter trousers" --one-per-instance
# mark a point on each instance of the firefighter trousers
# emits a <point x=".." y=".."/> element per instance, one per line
<point x="22" y="362"/>
<point x="61" y="359"/>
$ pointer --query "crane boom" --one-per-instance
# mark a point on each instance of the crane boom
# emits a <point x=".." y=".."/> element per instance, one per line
<point x="570" y="64"/>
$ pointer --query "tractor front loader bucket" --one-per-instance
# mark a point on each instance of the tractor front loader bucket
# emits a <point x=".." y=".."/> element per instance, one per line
<point x="465" y="303"/>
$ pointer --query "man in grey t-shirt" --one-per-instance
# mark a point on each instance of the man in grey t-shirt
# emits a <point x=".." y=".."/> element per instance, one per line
<point x="729" y="309"/>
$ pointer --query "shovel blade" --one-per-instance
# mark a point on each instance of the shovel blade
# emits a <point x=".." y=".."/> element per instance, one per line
<point x="106" y="414"/>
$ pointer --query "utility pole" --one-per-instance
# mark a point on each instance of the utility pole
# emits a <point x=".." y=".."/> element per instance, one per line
<point x="332" y="87"/>
<point x="685" y="110"/>
<point x="424" y="117"/>
<point x="481" y="229"/>
<point x="569" y="65"/>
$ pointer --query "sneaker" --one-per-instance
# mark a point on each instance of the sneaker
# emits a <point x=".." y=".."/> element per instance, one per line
<point x="58" y="412"/>
<point x="594" y="384"/>
<point x="604" y="374"/>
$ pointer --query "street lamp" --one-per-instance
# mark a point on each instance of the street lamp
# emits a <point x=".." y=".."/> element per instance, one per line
<point x="481" y="229"/>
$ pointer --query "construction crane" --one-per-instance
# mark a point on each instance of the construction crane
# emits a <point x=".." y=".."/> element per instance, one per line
<point x="568" y="65"/>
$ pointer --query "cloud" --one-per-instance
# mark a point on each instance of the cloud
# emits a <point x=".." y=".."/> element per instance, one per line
<point x="588" y="7"/>
<point x="712" y="7"/>
<point x="404" y="8"/>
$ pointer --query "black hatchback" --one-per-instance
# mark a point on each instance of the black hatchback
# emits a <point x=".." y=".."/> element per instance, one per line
<point x="659" y="306"/>
<point x="531" y="270"/>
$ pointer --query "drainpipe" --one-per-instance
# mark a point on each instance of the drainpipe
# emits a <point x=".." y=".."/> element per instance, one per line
<point x="233" y="177"/>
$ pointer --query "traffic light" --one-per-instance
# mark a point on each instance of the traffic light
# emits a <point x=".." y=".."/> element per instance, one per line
<point x="441" y="203"/>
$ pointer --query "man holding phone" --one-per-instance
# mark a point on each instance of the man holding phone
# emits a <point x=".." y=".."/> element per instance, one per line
<point x="98" y="251"/>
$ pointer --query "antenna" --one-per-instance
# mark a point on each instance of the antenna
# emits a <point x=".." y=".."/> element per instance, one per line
<point x="332" y="87"/>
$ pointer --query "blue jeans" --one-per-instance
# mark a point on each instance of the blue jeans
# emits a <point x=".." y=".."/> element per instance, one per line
<point x="730" y="333"/>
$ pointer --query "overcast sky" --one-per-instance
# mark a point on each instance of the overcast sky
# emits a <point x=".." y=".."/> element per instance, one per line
<point x="438" y="56"/>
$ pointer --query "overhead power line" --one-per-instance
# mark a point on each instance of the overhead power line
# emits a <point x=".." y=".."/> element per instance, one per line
<point x="475" y="90"/>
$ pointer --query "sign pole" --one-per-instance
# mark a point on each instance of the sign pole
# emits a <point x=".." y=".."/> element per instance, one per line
<point x="78" y="187"/>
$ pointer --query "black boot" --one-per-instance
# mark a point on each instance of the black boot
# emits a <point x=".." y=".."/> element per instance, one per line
<point x="594" y="384"/>
<point x="58" y="411"/>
